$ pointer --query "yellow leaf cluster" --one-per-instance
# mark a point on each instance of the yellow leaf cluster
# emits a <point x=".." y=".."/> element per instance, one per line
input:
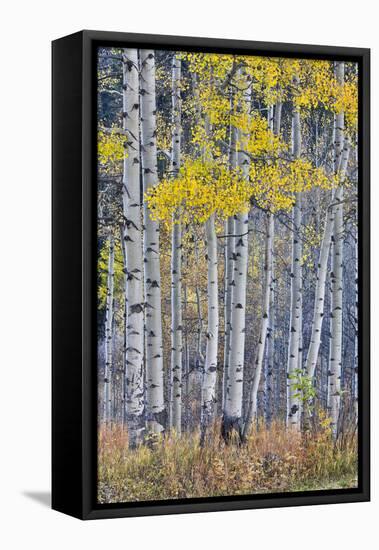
<point x="110" y="148"/>
<point x="273" y="185"/>
<point x="201" y="189"/>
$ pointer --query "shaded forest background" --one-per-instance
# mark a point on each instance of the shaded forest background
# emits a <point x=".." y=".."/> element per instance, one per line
<point x="227" y="356"/>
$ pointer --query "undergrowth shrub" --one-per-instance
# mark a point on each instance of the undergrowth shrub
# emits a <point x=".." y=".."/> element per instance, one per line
<point x="272" y="460"/>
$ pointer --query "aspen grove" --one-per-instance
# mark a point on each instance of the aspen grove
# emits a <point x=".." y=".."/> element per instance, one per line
<point x="227" y="274"/>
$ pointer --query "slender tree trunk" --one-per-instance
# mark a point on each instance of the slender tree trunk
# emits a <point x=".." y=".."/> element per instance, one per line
<point x="109" y="333"/>
<point x="270" y="372"/>
<point x="176" y="329"/>
<point x="318" y="312"/>
<point x="186" y="357"/>
<point x="232" y="417"/>
<point x="125" y="314"/>
<point x="356" y="344"/>
<point x="252" y="408"/>
<point x="273" y="370"/>
<point x="199" y="337"/>
<point x="228" y="290"/>
<point x="176" y="283"/>
<point x="336" y="288"/>
<point x="133" y="240"/>
<point x="335" y="347"/>
<point x="293" y="374"/>
<point x="228" y="275"/>
<point x="208" y="391"/>
<point x="152" y="278"/>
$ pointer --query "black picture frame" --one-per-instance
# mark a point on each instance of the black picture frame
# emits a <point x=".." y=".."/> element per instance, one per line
<point x="74" y="275"/>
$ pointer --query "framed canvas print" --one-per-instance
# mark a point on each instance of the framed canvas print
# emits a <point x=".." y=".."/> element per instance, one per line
<point x="210" y="275"/>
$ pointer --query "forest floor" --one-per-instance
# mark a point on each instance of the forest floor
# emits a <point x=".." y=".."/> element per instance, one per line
<point x="273" y="460"/>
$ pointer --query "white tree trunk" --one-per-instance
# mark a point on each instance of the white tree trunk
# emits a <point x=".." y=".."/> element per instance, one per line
<point x="228" y="291"/>
<point x="228" y="276"/>
<point x="125" y="314"/>
<point x="270" y="377"/>
<point x="270" y="396"/>
<point x="319" y="300"/>
<point x="356" y="344"/>
<point x="233" y="404"/>
<point x="335" y="349"/>
<point x="133" y="241"/>
<point x="318" y="311"/>
<point x="293" y="374"/>
<point x="267" y="290"/>
<point x="199" y="338"/>
<point x="336" y="288"/>
<point x="176" y="260"/>
<point x="176" y="331"/>
<point x="108" y="333"/>
<point x="232" y="417"/>
<point x="208" y="390"/>
<point x="152" y="278"/>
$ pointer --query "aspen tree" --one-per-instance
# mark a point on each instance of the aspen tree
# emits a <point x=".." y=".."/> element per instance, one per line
<point x="293" y="374"/>
<point x="232" y="417"/>
<point x="336" y="287"/>
<point x="252" y="407"/>
<point x="176" y="263"/>
<point x="228" y="273"/>
<point x="109" y="332"/>
<point x="152" y="278"/>
<point x="208" y="390"/>
<point x="318" y="310"/>
<point x="133" y="243"/>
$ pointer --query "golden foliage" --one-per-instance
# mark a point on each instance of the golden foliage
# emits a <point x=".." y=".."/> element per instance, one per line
<point x="110" y="148"/>
<point x="201" y="189"/>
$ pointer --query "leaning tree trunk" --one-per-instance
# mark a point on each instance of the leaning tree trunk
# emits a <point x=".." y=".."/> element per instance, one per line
<point x="252" y="408"/>
<point x="133" y="241"/>
<point x="319" y="299"/>
<point x="108" y="333"/>
<point x="152" y="278"/>
<point x="335" y="346"/>
<point x="208" y="390"/>
<point x="176" y="261"/>
<point x="318" y="311"/>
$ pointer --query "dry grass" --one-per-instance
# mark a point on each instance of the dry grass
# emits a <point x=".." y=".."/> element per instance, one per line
<point x="273" y="460"/>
